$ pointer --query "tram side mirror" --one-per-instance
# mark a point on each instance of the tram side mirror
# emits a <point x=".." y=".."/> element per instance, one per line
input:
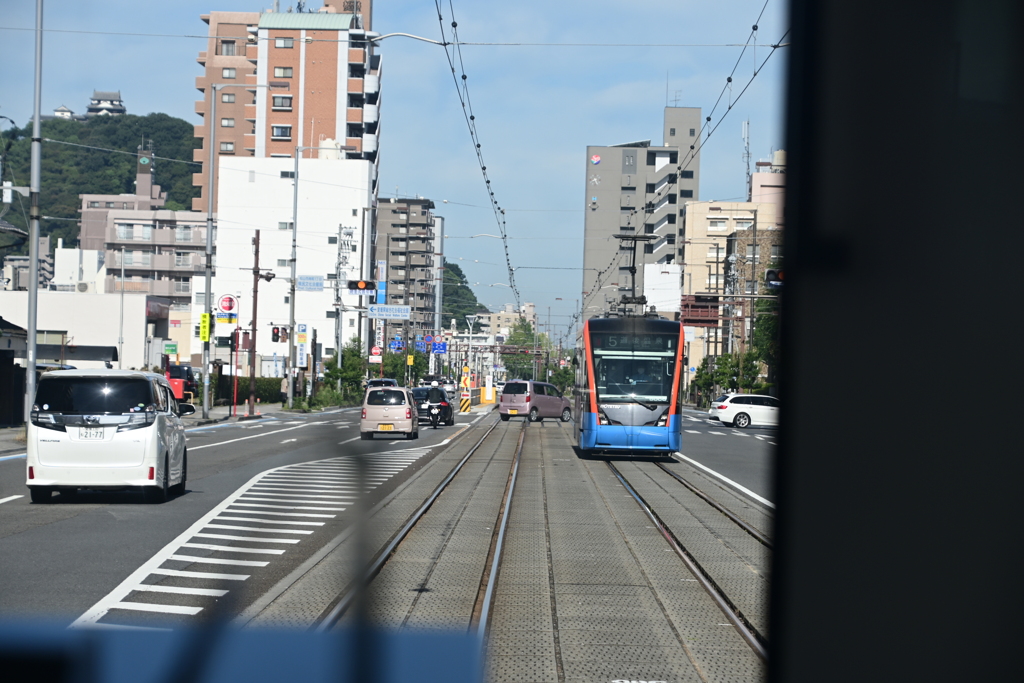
<point x="574" y="360"/>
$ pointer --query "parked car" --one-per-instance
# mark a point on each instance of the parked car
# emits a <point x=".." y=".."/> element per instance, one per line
<point x="389" y="410"/>
<point x="745" y="410"/>
<point x="499" y="386"/>
<point x="106" y="429"/>
<point x="423" y="408"/>
<point x="533" y="400"/>
<point x="450" y="386"/>
<point x="381" y="382"/>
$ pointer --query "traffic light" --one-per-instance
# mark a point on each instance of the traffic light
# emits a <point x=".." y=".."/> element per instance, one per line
<point x="773" y="277"/>
<point x="275" y="334"/>
<point x="368" y="286"/>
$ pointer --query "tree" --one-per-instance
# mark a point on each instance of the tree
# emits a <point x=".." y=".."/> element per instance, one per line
<point x="459" y="300"/>
<point x="563" y="378"/>
<point x="766" y="337"/>
<point x="349" y="375"/>
<point x="520" y="366"/>
<point x="703" y="381"/>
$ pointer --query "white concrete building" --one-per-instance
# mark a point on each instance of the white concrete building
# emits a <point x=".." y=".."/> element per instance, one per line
<point x="332" y="239"/>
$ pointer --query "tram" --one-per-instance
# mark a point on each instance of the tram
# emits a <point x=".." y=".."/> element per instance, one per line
<point x="628" y="385"/>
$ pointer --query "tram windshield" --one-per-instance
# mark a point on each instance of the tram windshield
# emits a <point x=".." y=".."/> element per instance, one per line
<point x="634" y="367"/>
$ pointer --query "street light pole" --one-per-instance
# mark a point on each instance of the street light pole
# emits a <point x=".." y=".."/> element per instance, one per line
<point x="290" y="365"/>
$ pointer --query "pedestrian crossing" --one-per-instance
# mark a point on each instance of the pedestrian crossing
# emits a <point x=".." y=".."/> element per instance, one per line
<point x="273" y="514"/>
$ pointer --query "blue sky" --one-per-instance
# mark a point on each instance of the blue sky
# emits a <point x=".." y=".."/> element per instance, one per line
<point x="537" y="107"/>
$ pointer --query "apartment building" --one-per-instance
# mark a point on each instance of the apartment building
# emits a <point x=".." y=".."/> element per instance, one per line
<point x="637" y="189"/>
<point x="501" y="323"/>
<point x="285" y="80"/>
<point x="405" y="247"/>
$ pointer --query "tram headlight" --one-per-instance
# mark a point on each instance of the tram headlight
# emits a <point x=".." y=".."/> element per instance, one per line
<point x="663" y="420"/>
<point x="602" y="420"/>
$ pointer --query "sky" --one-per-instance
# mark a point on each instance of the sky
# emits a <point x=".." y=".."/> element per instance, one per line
<point x="537" y="107"/>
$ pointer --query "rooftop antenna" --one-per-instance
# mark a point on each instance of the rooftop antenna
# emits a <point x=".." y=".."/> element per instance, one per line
<point x="746" y="156"/>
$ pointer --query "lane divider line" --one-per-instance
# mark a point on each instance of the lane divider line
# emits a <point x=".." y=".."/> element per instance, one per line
<point x="727" y="480"/>
<point x="9" y="499"/>
<point x="243" y="438"/>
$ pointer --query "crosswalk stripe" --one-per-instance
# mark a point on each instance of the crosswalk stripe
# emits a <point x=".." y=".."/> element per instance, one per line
<point x="233" y="549"/>
<point x="178" y="590"/>
<point x="212" y="560"/>
<point x="251" y="539"/>
<point x="162" y="609"/>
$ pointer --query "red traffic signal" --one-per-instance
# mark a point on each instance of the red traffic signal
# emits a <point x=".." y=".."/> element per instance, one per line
<point x="275" y="334"/>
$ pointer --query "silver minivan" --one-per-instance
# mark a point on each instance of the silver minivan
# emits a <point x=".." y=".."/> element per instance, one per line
<point x="389" y="410"/>
<point x="533" y="400"/>
<point x="106" y="429"/>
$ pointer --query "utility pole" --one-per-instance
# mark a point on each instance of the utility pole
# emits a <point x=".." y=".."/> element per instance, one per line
<point x="252" y="334"/>
<point x="35" y="172"/>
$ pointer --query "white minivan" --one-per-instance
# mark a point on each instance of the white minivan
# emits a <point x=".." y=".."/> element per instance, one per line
<point x="106" y="429"/>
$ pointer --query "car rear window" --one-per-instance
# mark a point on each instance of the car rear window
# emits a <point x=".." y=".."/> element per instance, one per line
<point x="420" y="393"/>
<point x="515" y="388"/>
<point x="179" y="371"/>
<point x="93" y="395"/>
<point x="385" y="397"/>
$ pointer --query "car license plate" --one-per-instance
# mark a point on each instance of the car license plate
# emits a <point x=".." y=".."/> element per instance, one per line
<point x="90" y="433"/>
<point x="385" y="428"/>
<point x="513" y="411"/>
<point x="425" y="405"/>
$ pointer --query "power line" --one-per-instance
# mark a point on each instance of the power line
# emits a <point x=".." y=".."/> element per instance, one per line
<point x="467" y="112"/>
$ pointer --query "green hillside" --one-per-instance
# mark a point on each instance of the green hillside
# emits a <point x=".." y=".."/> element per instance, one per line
<point x="69" y="171"/>
<point x="459" y="300"/>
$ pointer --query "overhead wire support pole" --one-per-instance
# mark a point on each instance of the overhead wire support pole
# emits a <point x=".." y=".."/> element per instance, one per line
<point x="33" y="239"/>
<point x="290" y="365"/>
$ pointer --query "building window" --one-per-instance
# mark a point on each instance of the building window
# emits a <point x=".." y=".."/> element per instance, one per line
<point x="94" y="205"/>
<point x="227" y="48"/>
<point x="110" y="205"/>
<point x="182" y="285"/>
<point x="686" y="194"/>
<point x="332" y="276"/>
<point x="280" y="132"/>
<point x="687" y="174"/>
<point x="650" y="188"/>
<point x="182" y="259"/>
<point x="198" y="298"/>
<point x="227" y="97"/>
<point x="227" y="147"/>
<point x="751" y="251"/>
<point x="282" y="72"/>
<point x="283" y="102"/>
<point x="744" y="225"/>
<point x="716" y="224"/>
<point x="332" y="240"/>
<point x="693" y="132"/>
<point x="355" y="212"/>
<point x="286" y="43"/>
<point x="284" y="225"/>
<point x="183" y="234"/>
<point x="282" y="263"/>
<point x="227" y="123"/>
<point x="776" y="251"/>
<point x="227" y="72"/>
<point x="351" y="322"/>
<point x="331" y="314"/>
<point x="287" y="174"/>
<point x="671" y="132"/>
<point x="287" y="299"/>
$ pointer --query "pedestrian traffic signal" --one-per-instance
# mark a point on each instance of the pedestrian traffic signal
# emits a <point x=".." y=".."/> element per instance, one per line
<point x="773" y="277"/>
<point x="367" y="286"/>
<point x="275" y="334"/>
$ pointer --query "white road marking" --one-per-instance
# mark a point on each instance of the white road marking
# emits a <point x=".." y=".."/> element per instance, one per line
<point x="692" y="431"/>
<point x="301" y="495"/>
<point x="718" y="433"/>
<point x="727" y="480"/>
<point x="178" y="590"/>
<point x="182" y="574"/>
<point x="213" y="560"/>
<point x="121" y="627"/>
<point x="271" y="499"/>
<point x="163" y="609"/>
<point x="282" y="514"/>
<point x="235" y="527"/>
<point x="243" y="438"/>
<point x="289" y="440"/>
<point x="8" y="499"/>
<point x="267" y="521"/>
<point x="233" y="549"/>
<point x="355" y="438"/>
<point x="287" y="507"/>
<point x="250" y="539"/>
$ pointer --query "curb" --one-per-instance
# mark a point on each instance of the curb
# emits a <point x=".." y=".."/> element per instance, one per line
<point x="210" y="421"/>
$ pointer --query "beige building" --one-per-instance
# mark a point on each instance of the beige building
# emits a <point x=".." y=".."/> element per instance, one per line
<point x="287" y="80"/>
<point x="501" y="323"/>
<point x="722" y="260"/>
<point x="405" y="243"/>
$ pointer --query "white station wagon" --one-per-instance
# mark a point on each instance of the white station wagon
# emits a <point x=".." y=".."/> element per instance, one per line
<point x="106" y="429"/>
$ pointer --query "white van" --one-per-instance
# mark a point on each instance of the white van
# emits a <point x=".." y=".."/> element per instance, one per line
<point x="106" y="429"/>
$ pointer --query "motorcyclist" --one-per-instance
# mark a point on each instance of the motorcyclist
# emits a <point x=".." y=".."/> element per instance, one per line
<point x="436" y="398"/>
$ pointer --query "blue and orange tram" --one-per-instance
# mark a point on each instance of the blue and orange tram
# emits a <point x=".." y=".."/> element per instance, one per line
<point x="628" y="386"/>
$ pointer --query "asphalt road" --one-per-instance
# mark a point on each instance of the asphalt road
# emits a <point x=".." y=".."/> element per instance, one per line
<point x="60" y="559"/>
<point x="742" y="456"/>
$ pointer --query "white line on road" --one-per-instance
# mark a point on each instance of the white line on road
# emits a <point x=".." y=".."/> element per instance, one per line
<point x="178" y="590"/>
<point x="289" y="440"/>
<point x="286" y="507"/>
<point x="692" y="431"/>
<point x="178" y="573"/>
<point x="233" y="549"/>
<point x="254" y="436"/>
<point x="718" y="433"/>
<point x="163" y="609"/>
<point x="212" y="560"/>
<point x="8" y="499"/>
<point x="727" y="480"/>
<point x="235" y="527"/>
<point x="251" y="539"/>
<point x="355" y="438"/>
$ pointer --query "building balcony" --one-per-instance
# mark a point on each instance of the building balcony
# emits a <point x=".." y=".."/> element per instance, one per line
<point x="371" y="113"/>
<point x="356" y="144"/>
<point x="165" y="287"/>
<point x="202" y="58"/>
<point x="369" y="142"/>
<point x="354" y="115"/>
<point x="355" y="85"/>
<point x="370" y="85"/>
<point x="356" y="55"/>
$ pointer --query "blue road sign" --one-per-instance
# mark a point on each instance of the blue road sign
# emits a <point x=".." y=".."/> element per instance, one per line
<point x="440" y="347"/>
<point x="421" y="346"/>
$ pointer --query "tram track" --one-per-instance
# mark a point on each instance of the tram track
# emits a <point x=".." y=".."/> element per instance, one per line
<point x="360" y="586"/>
<point x="751" y="633"/>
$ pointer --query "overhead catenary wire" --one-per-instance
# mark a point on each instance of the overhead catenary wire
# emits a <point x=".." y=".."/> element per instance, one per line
<point x="467" y="112"/>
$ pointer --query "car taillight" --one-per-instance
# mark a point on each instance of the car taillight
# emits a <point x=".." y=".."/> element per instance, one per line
<point x="152" y="473"/>
<point x="364" y="413"/>
<point x="527" y="398"/>
<point x="31" y="472"/>
<point x="408" y="413"/>
<point x="47" y="420"/>
<point x="721" y="407"/>
<point x="444" y="403"/>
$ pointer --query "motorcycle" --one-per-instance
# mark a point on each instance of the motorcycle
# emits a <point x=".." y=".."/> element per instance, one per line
<point x="435" y="414"/>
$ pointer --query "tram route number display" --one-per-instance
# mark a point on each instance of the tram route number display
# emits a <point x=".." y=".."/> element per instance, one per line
<point x="631" y="342"/>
